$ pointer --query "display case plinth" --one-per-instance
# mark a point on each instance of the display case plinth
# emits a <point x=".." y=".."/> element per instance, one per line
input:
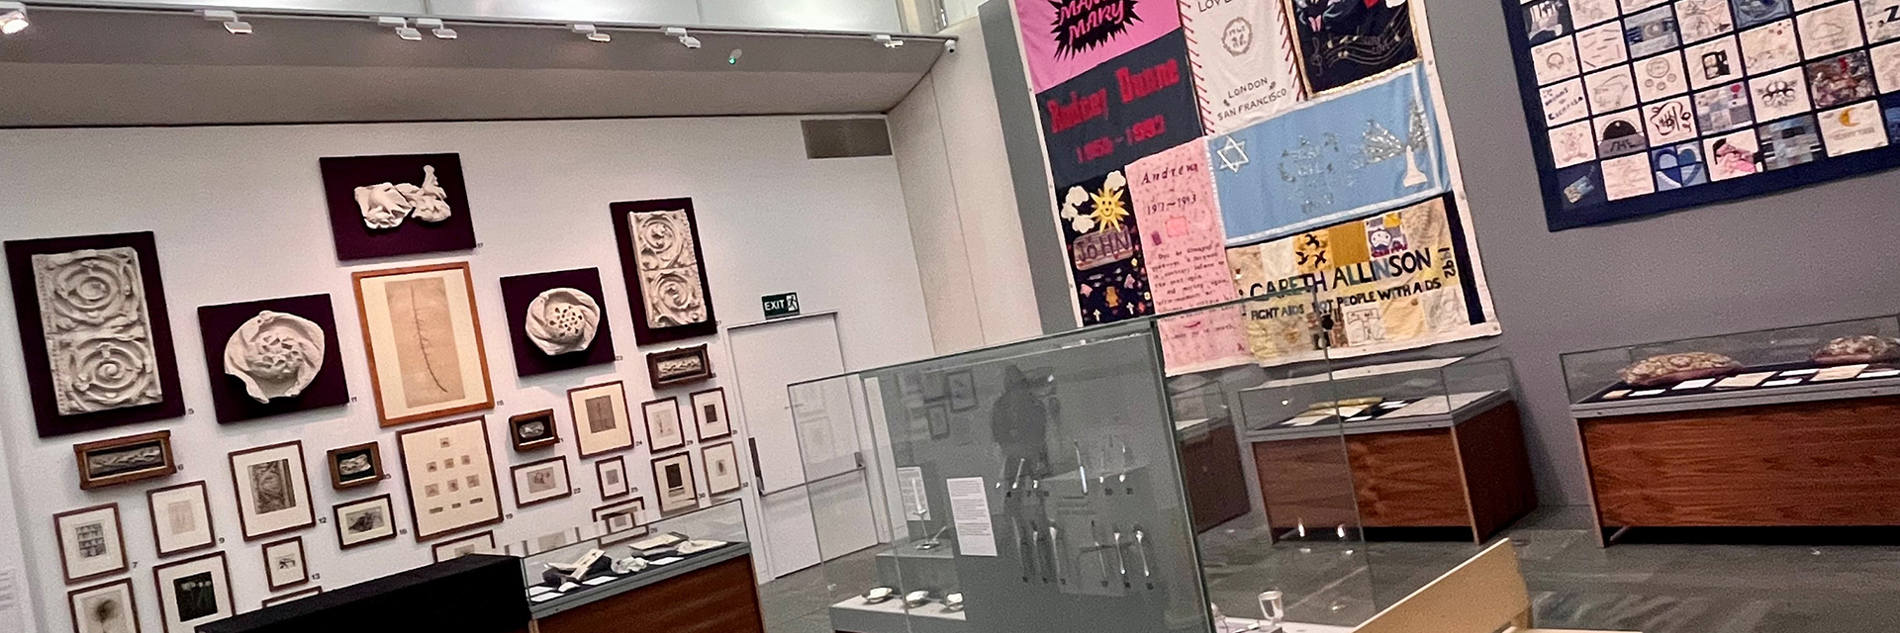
<point x="712" y="591"/>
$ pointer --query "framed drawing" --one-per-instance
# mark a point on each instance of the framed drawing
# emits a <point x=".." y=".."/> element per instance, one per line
<point x="107" y="608"/>
<point x="181" y="518"/>
<point x="193" y="592"/>
<point x="94" y="332"/>
<point x="620" y="522"/>
<point x="557" y="321"/>
<point x="481" y="543"/>
<point x="359" y="465"/>
<point x="123" y="459"/>
<point x="553" y="541"/>
<point x="939" y="418"/>
<point x="90" y="542"/>
<point x="424" y="340"/>
<point x="542" y="481"/>
<point x="681" y="366"/>
<point x="290" y="597"/>
<point x="381" y="206"/>
<point x="273" y="492"/>
<point x="709" y="414"/>
<point x="530" y="431"/>
<point x="612" y="475"/>
<point x="674" y="477"/>
<point x="664" y="270"/>
<point x="272" y="357"/>
<point x="364" y="521"/>
<point x="600" y="418"/>
<point x="664" y="431"/>
<point x="962" y="390"/>
<point x="284" y="564"/>
<point x="722" y="468"/>
<point x="451" y="477"/>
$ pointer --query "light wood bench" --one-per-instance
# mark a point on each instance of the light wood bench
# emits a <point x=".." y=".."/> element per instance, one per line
<point x="1486" y="594"/>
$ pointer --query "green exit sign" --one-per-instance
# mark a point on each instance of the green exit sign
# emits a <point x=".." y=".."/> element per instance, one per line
<point x="780" y="305"/>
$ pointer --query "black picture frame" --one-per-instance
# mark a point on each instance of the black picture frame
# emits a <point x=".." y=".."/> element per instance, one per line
<point x="519" y="291"/>
<point x="630" y="272"/>
<point x="39" y="374"/>
<point x="356" y="241"/>
<point x="218" y="322"/>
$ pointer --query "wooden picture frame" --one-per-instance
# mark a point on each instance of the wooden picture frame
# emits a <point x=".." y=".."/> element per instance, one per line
<point x="120" y="606"/>
<point x="446" y="550"/>
<point x="199" y="591"/>
<point x="675" y="483"/>
<point x="119" y="460"/>
<point x="526" y="439"/>
<point x="711" y="419"/>
<point x="462" y="443"/>
<point x="336" y="458"/>
<point x="277" y="487"/>
<point x="658" y="248"/>
<point x="665" y="432"/>
<point x="368" y="532"/>
<point x="183" y="518"/>
<point x="402" y="355"/>
<point x="712" y="458"/>
<point x="559" y="487"/>
<point x="609" y="516"/>
<point x="602" y="423"/>
<point x="91" y="542"/>
<point x="675" y="367"/>
<point x="610" y="490"/>
<point x="291" y="597"/>
<point x="285" y="557"/>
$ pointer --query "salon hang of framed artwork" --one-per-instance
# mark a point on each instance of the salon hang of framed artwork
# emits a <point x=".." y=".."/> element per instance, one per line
<point x="383" y="206"/>
<point x="94" y="332"/>
<point x="665" y="270"/>
<point x="424" y="341"/>
<point x="557" y="321"/>
<point x="272" y="357"/>
<point x="451" y="477"/>
<point x="1645" y="108"/>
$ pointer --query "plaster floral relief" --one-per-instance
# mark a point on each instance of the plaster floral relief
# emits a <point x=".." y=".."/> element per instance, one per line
<point x="98" y="333"/>
<point x="669" y="269"/>
<point x="562" y="321"/>
<point x="275" y="354"/>
<point x="386" y="205"/>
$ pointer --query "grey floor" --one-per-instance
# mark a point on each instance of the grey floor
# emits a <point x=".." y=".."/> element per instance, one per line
<point x="1574" y="583"/>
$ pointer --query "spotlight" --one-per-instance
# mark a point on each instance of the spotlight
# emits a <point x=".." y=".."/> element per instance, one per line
<point x="436" y="28"/>
<point x="593" y="34"/>
<point x="686" y="39"/>
<point x="12" y="18"/>
<point x="887" y="41"/>
<point x="733" y="58"/>
<point x="230" y="19"/>
<point x="402" y="28"/>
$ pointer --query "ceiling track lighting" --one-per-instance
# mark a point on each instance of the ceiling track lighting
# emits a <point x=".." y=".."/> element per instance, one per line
<point x="436" y="28"/>
<point x="887" y="40"/>
<point x="402" y="27"/>
<point x="592" y="34"/>
<point x="230" y="19"/>
<point x="686" y="39"/>
<point x="12" y="18"/>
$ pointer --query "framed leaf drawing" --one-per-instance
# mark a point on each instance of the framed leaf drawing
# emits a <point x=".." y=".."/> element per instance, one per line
<point x="451" y="477"/>
<point x="284" y="564"/>
<point x="529" y="431"/>
<point x="674" y="478"/>
<point x="181" y="518"/>
<point x="272" y="357"/>
<point x="557" y="321"/>
<point x="106" y="608"/>
<point x="193" y="592"/>
<point x="542" y="481"/>
<point x="424" y="340"/>
<point x="664" y="431"/>
<point x="600" y="418"/>
<point x="359" y="465"/>
<point x="273" y="493"/>
<point x="722" y="468"/>
<point x="612" y="475"/>
<point x="90" y="542"/>
<point x="364" y="521"/>
<point x="664" y="269"/>
<point x="124" y="459"/>
<point x="405" y="204"/>
<point x="94" y="332"/>
<point x="709" y="414"/>
<point x="481" y="543"/>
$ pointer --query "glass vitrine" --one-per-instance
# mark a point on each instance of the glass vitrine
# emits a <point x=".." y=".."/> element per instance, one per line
<point x="626" y="548"/>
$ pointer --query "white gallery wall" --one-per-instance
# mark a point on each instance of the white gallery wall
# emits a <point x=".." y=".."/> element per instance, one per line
<point x="238" y="214"/>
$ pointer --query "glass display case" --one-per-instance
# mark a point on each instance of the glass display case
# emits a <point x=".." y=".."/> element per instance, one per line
<point x="628" y="548"/>
<point x="1429" y="388"/>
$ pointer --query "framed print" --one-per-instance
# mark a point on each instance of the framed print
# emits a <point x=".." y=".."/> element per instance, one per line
<point x="107" y="608"/>
<point x="557" y="321"/>
<point x="664" y="270"/>
<point x="482" y="543"/>
<point x="663" y="424"/>
<point x="181" y="518"/>
<point x="382" y="206"/>
<point x="272" y="357"/>
<point x="709" y="414"/>
<point x="612" y="475"/>
<point x="674" y="477"/>
<point x="291" y="597"/>
<point x="364" y="521"/>
<point x="273" y="493"/>
<point x="359" y="465"/>
<point x="424" y="340"/>
<point x="600" y="418"/>
<point x="193" y="592"/>
<point x="722" y="468"/>
<point x="94" y="333"/>
<point x="962" y="390"/>
<point x="541" y="481"/>
<point x="124" y="459"/>
<point x="554" y="540"/>
<point x="681" y="366"/>
<point x="620" y="521"/>
<point x="284" y="564"/>
<point x="939" y="419"/>
<point x="90" y="542"/>
<point x="530" y="431"/>
<point x="451" y="477"/>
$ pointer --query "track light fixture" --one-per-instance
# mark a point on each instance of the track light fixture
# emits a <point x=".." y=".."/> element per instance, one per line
<point x="592" y="34"/>
<point x="12" y="18"/>
<point x="887" y="40"/>
<point x="436" y="28"/>
<point x="686" y="39"/>
<point x="402" y="28"/>
<point x="230" y="19"/>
